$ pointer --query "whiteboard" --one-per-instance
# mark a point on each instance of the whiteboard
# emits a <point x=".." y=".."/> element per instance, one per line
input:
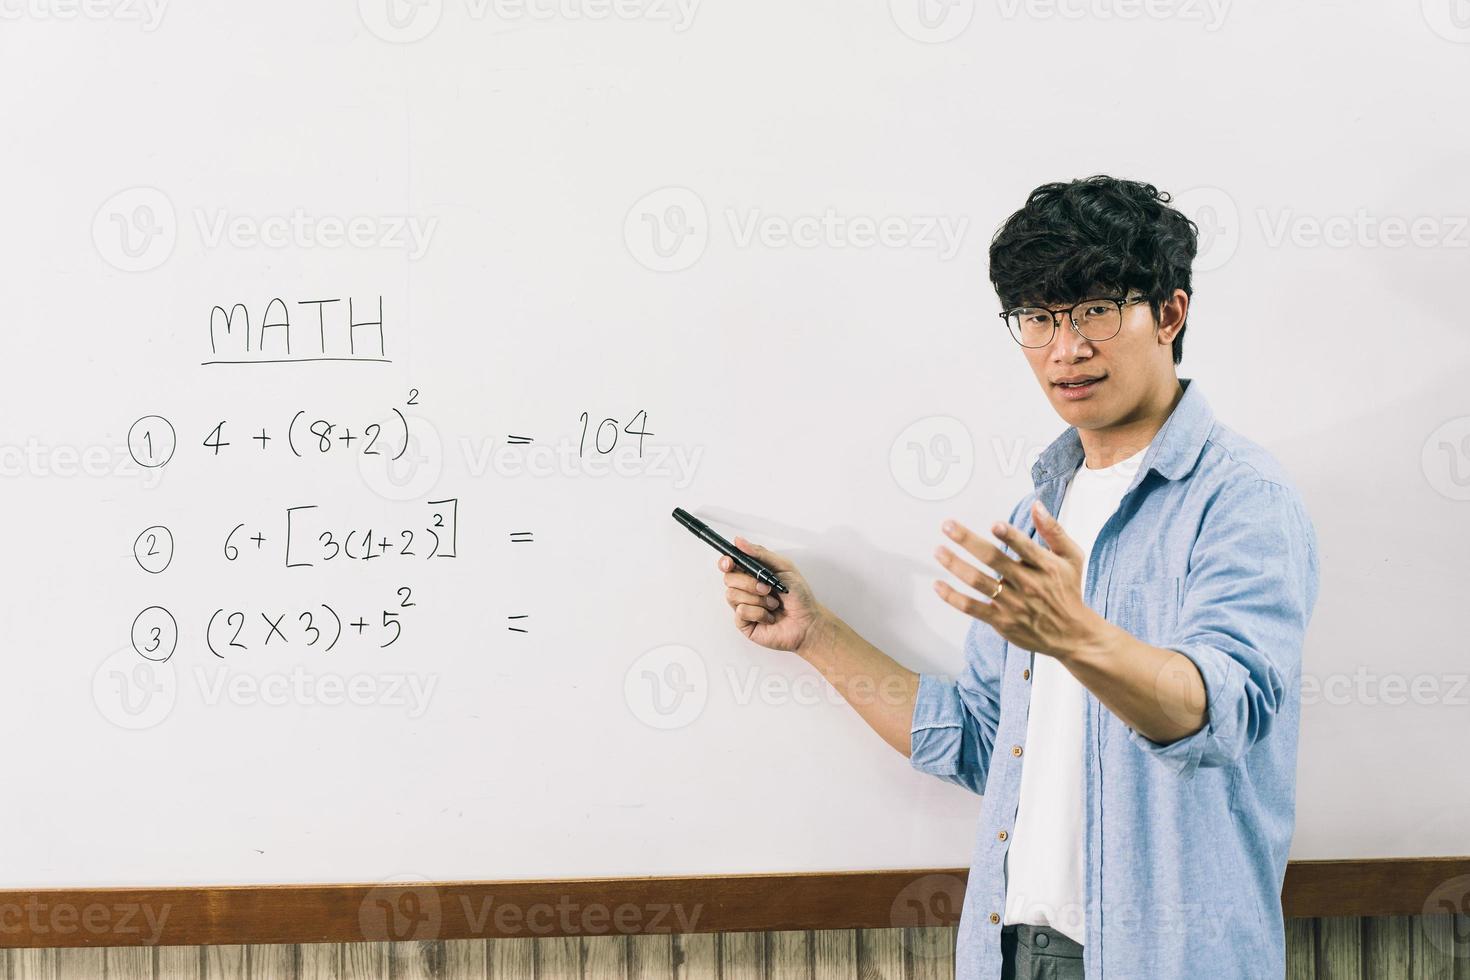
<point x="552" y="270"/>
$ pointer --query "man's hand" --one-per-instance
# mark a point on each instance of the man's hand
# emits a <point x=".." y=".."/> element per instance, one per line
<point x="1040" y="605"/>
<point x="766" y="617"/>
<point x="1157" y="692"/>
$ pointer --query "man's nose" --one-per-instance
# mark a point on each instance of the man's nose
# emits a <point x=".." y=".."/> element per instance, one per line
<point x="1067" y="340"/>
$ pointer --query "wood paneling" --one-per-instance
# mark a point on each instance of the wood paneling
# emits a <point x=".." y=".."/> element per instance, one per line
<point x="1431" y="947"/>
<point x="411" y="922"/>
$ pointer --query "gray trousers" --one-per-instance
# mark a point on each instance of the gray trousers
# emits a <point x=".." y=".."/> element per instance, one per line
<point x="1038" y="953"/>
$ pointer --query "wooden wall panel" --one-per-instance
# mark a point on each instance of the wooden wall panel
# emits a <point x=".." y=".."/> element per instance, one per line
<point x="1426" y="947"/>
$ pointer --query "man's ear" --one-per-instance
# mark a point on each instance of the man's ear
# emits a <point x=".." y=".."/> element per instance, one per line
<point x="1173" y="315"/>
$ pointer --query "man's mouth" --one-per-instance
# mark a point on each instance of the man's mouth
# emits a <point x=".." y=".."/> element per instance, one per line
<point x="1079" y="385"/>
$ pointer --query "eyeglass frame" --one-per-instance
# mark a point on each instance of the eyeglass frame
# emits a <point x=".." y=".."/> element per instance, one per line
<point x="1071" y="311"/>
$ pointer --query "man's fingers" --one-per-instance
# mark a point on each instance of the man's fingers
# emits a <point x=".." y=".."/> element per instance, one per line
<point x="966" y="604"/>
<point x="766" y="556"/>
<point x="982" y="582"/>
<point x="1025" y="547"/>
<point x="752" y="614"/>
<point x="989" y="555"/>
<point x="996" y="593"/>
<point x="737" y="596"/>
<point x="740" y="580"/>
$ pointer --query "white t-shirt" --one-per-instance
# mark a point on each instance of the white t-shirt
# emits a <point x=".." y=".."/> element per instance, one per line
<point x="1044" y="869"/>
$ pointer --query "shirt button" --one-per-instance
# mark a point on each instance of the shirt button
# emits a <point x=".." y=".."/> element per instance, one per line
<point x="1002" y="835"/>
<point x="994" y="918"/>
<point x="1026" y="674"/>
<point x="1015" y="750"/>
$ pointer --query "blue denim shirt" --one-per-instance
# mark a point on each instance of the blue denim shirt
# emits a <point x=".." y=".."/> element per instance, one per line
<point x="1210" y="553"/>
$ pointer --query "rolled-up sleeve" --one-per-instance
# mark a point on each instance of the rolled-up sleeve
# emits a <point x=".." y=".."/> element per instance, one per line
<point x="955" y="721"/>
<point x="954" y="726"/>
<point x="1248" y="597"/>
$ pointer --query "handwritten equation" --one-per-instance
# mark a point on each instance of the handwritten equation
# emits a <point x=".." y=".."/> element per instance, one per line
<point x="416" y="534"/>
<point x="236" y="631"/>
<point x="306" y="435"/>
<point x="306" y="539"/>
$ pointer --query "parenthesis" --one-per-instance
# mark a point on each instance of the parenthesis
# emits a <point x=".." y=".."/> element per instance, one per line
<point x="208" y="639"/>
<point x="291" y="433"/>
<point x="347" y="546"/>
<point x="338" y="620"/>
<point x="405" y="434"/>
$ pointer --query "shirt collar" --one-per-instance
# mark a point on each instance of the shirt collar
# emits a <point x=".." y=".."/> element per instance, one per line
<point x="1172" y="453"/>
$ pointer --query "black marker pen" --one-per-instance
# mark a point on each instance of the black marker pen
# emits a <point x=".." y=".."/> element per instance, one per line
<point x="701" y="530"/>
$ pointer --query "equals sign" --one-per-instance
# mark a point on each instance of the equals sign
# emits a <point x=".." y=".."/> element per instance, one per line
<point x="517" y="629"/>
<point x="518" y="440"/>
<point x="521" y="537"/>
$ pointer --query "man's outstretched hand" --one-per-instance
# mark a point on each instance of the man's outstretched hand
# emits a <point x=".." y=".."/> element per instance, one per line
<point x="1040" y="606"/>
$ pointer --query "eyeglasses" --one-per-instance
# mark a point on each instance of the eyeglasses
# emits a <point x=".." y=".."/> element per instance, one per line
<point x="1099" y="318"/>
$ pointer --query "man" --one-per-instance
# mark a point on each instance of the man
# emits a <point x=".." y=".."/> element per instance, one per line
<point x="1129" y="705"/>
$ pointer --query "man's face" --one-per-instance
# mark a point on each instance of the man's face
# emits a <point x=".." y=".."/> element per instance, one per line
<point x="1120" y="372"/>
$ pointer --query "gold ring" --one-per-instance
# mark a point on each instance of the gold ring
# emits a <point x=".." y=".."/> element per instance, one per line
<point x="1000" y="583"/>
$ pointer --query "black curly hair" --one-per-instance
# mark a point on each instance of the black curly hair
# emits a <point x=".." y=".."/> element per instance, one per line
<point x="1076" y="239"/>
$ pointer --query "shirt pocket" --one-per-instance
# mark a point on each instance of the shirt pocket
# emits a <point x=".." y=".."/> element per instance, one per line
<point x="1149" y="608"/>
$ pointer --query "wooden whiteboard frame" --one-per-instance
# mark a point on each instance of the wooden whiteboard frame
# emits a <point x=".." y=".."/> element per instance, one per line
<point x="259" y="914"/>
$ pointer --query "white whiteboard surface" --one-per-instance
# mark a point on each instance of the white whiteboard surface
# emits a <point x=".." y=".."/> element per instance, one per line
<point x="763" y="225"/>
